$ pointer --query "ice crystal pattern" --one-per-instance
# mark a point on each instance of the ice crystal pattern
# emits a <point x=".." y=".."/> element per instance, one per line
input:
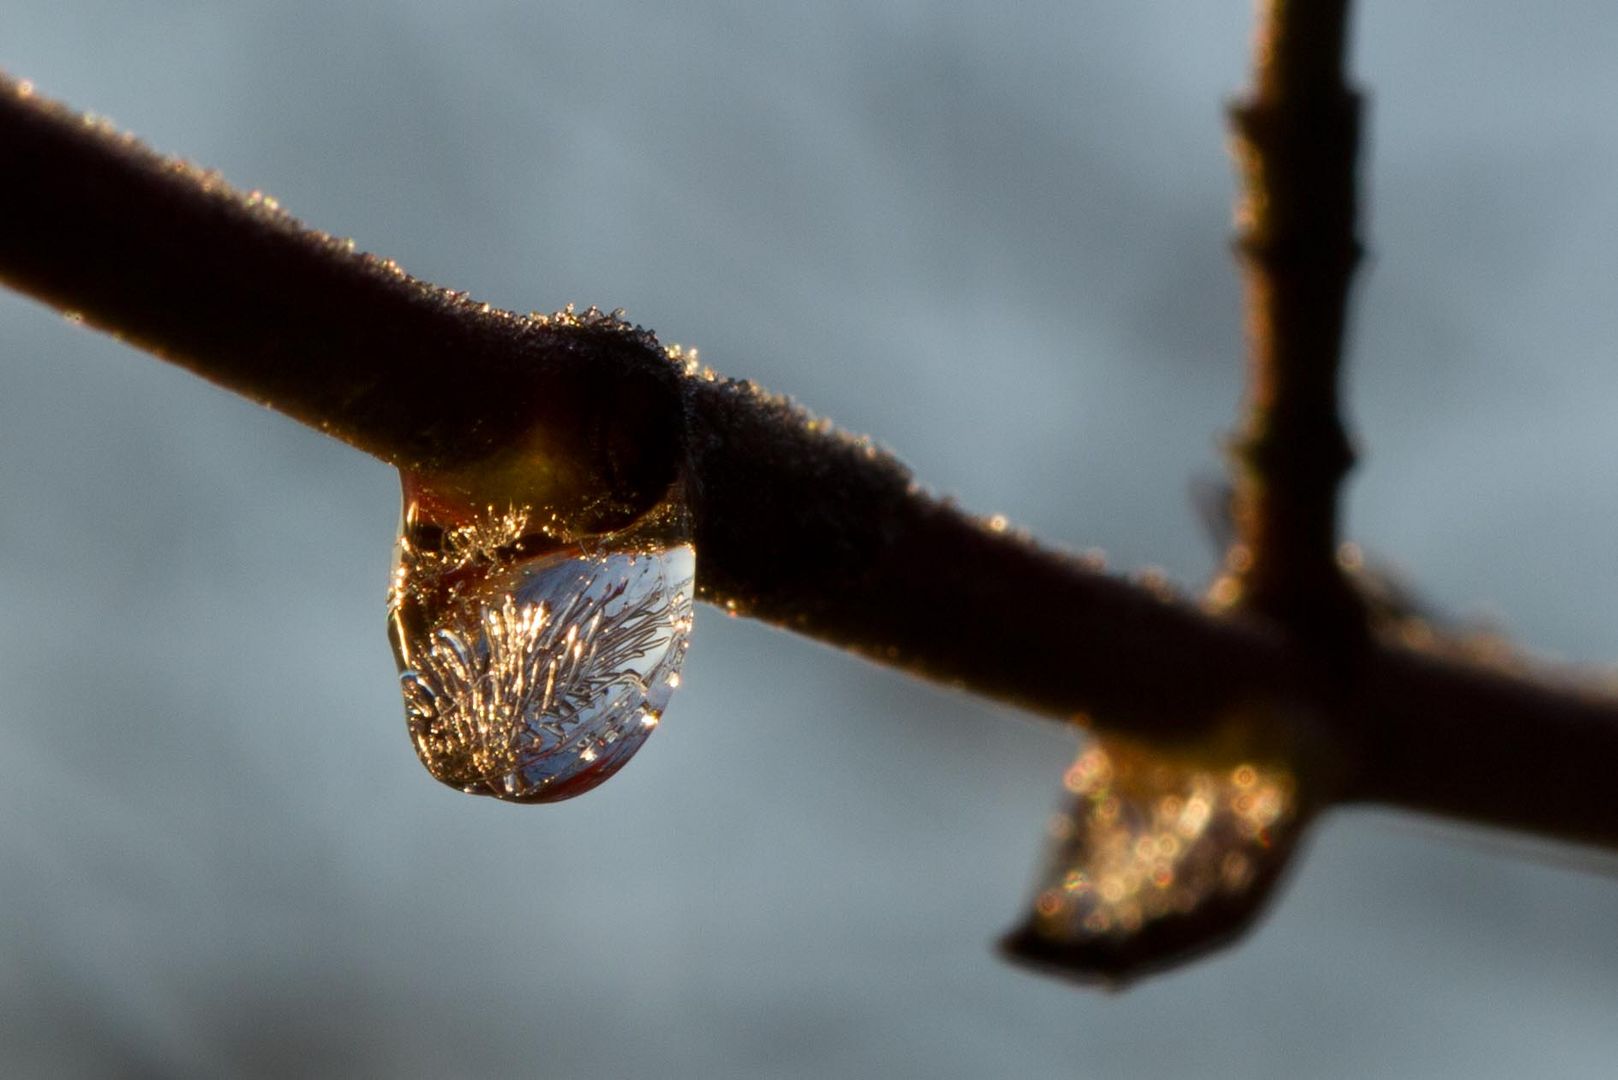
<point x="546" y="680"/>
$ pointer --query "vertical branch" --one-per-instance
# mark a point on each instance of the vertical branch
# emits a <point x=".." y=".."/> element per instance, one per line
<point x="1110" y="916"/>
<point x="1295" y="139"/>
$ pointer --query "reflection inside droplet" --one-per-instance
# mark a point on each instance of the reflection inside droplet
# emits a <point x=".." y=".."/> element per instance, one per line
<point x="533" y="665"/>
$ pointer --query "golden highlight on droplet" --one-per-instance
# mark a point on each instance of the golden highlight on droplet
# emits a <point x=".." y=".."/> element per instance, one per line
<point x="1225" y="593"/>
<point x="1156" y="854"/>
<point x="534" y="660"/>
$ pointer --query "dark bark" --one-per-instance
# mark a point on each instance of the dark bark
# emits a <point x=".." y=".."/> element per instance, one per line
<point x="798" y="525"/>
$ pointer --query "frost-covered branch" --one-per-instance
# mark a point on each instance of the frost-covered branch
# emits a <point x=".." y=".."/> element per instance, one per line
<point x="795" y="524"/>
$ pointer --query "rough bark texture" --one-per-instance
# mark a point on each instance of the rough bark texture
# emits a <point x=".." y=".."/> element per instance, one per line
<point x="796" y="524"/>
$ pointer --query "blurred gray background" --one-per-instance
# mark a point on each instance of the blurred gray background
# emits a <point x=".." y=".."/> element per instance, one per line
<point x="994" y="237"/>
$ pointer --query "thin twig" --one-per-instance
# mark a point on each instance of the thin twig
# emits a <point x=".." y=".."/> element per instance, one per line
<point x="172" y="259"/>
<point x="1295" y="147"/>
<point x="1296" y="138"/>
<point x="1490" y="747"/>
<point x="796" y="524"/>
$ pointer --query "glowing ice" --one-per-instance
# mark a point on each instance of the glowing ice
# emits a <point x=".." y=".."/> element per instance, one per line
<point x="534" y="667"/>
<point x="1156" y="858"/>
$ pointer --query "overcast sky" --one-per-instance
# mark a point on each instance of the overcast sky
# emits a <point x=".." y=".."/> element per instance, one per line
<point x="992" y="236"/>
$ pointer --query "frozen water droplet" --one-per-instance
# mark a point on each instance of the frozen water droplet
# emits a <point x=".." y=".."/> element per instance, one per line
<point x="1157" y="857"/>
<point x="533" y="663"/>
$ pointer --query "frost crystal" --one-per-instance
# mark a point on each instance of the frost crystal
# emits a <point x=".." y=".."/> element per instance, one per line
<point x="535" y="678"/>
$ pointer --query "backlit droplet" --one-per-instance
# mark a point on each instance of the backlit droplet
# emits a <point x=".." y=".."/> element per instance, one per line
<point x="1155" y="858"/>
<point x="533" y="663"/>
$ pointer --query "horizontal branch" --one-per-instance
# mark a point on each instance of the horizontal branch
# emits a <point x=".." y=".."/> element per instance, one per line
<point x="795" y="524"/>
<point x="1489" y="746"/>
